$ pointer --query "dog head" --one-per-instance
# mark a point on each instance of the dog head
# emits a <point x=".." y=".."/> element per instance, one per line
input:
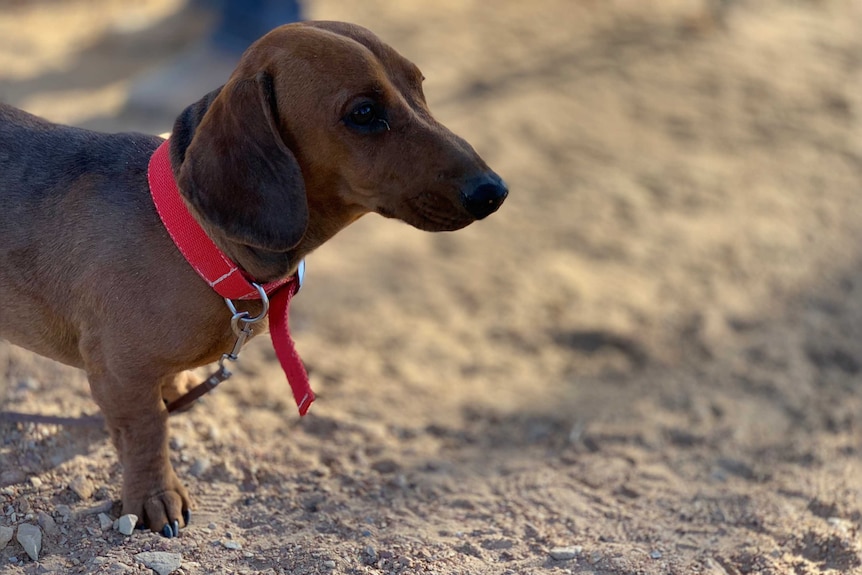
<point x="320" y="123"/>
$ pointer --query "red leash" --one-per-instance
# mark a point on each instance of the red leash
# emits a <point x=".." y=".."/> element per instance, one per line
<point x="224" y="276"/>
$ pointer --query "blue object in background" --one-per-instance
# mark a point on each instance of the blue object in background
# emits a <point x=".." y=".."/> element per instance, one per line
<point x="241" y="22"/>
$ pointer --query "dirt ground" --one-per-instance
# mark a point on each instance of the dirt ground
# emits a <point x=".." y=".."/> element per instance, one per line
<point x="651" y="356"/>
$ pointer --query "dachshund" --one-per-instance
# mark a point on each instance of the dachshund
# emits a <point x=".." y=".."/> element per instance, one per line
<point x="319" y="124"/>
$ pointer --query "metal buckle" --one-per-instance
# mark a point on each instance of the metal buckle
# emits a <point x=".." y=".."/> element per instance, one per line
<point x="241" y="324"/>
<point x="243" y="315"/>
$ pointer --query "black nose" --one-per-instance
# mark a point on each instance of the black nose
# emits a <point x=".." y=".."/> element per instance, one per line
<point x="484" y="195"/>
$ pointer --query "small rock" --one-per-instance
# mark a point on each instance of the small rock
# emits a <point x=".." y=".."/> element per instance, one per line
<point x="565" y="553"/>
<point x="126" y="524"/>
<point x="329" y="564"/>
<point x="82" y="487"/>
<point x="6" y="534"/>
<point x="840" y="524"/>
<point x="35" y="482"/>
<point x="231" y="545"/>
<point x="29" y="383"/>
<point x="211" y="432"/>
<point x="30" y="538"/>
<point x="12" y="476"/>
<point x="385" y="466"/>
<point x="200" y="466"/>
<point x="105" y="522"/>
<point x="655" y="554"/>
<point x="369" y="555"/>
<point x="102" y="507"/>
<point x="49" y="526"/>
<point x="161" y="562"/>
<point x="64" y="511"/>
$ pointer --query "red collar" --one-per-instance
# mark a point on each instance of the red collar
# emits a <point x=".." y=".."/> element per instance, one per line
<point x="222" y="274"/>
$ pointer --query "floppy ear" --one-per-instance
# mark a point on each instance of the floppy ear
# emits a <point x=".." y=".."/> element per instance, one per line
<point x="236" y="170"/>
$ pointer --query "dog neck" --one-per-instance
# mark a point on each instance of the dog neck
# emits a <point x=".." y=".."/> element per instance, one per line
<point x="224" y="275"/>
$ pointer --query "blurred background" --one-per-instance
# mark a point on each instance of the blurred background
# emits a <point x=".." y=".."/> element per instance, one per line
<point x="652" y="352"/>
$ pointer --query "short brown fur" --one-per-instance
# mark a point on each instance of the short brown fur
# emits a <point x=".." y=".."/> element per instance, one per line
<point x="271" y="168"/>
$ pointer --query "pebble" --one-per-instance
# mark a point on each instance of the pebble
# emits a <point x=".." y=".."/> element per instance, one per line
<point x="385" y="466"/>
<point x="655" y="554"/>
<point x="161" y="562"/>
<point x="82" y="487"/>
<point x="126" y="524"/>
<point x="105" y="522"/>
<point x="200" y="466"/>
<point x="841" y="525"/>
<point x="102" y="507"/>
<point x="64" y="511"/>
<point x="49" y="526"/>
<point x="565" y="553"/>
<point x="30" y="538"/>
<point x="212" y="432"/>
<point x="330" y="564"/>
<point x="12" y="477"/>
<point x="231" y="545"/>
<point x="29" y="383"/>
<point x="369" y="555"/>
<point x="35" y="482"/>
<point x="6" y="534"/>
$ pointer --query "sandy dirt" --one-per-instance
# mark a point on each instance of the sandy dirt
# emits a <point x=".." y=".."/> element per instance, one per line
<point x="650" y="356"/>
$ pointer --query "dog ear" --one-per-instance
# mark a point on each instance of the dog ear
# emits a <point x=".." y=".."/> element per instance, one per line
<point x="234" y="168"/>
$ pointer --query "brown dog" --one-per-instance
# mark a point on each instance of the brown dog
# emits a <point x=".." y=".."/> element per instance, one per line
<point x="320" y="123"/>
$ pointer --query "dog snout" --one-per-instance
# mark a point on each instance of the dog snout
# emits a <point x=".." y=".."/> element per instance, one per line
<point x="484" y="195"/>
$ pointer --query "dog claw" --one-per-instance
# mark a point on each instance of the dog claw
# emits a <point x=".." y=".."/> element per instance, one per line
<point x="187" y="517"/>
<point x="167" y="531"/>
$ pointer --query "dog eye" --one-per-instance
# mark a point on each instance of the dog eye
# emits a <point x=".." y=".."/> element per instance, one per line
<point x="367" y="117"/>
<point x="364" y="115"/>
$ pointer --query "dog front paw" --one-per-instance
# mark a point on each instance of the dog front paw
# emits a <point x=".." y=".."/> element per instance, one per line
<point x="164" y="510"/>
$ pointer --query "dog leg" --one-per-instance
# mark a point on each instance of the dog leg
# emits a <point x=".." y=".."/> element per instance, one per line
<point x="177" y="386"/>
<point x="137" y="421"/>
